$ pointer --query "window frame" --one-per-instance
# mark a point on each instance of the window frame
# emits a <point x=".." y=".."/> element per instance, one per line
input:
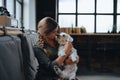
<point x="114" y="14"/>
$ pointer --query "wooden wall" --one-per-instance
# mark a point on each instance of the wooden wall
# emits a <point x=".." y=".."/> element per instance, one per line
<point x="98" y="53"/>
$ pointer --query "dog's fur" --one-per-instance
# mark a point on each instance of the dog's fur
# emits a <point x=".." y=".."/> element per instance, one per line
<point x="70" y="70"/>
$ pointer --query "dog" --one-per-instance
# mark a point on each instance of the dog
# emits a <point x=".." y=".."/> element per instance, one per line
<point x="69" y="71"/>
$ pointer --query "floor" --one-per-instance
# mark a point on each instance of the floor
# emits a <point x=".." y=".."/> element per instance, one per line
<point x="96" y="72"/>
<point x="99" y="77"/>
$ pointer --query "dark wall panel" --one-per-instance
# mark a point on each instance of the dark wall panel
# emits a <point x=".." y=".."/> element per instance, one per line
<point x="45" y="8"/>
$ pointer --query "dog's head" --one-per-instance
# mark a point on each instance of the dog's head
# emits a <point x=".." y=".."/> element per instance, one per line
<point x="63" y="37"/>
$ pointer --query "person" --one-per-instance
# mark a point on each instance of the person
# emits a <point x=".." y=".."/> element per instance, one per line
<point x="46" y="50"/>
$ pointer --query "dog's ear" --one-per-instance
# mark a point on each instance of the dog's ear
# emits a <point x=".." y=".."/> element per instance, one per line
<point x="70" y="38"/>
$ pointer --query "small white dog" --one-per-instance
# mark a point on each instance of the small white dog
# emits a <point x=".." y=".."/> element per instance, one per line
<point x="70" y="70"/>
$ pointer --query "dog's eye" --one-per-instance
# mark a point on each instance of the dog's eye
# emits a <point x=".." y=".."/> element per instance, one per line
<point x="63" y="35"/>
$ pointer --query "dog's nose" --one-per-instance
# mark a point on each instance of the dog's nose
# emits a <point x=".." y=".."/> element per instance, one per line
<point x="58" y="35"/>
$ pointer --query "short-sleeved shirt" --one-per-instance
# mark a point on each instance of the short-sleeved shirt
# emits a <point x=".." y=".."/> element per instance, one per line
<point x="46" y="63"/>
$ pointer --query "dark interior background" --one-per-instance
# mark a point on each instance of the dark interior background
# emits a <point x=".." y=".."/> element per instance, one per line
<point x="45" y="8"/>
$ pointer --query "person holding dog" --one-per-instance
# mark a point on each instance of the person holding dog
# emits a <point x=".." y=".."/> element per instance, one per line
<point x="46" y="50"/>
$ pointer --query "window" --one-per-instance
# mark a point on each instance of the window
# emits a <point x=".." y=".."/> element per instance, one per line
<point x="10" y="7"/>
<point x="86" y="21"/>
<point x="97" y="16"/>
<point x="1" y="2"/>
<point x="104" y="6"/>
<point x="67" y="6"/>
<point x="19" y="13"/>
<point x="118" y="6"/>
<point x="118" y="15"/>
<point x="118" y="24"/>
<point x="67" y="20"/>
<point x="104" y="23"/>
<point x="84" y="7"/>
